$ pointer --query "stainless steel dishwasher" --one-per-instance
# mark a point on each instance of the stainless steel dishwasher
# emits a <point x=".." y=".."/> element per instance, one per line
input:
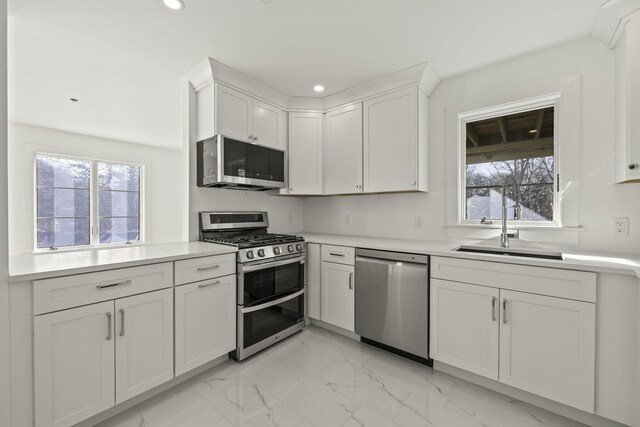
<point x="392" y="301"/>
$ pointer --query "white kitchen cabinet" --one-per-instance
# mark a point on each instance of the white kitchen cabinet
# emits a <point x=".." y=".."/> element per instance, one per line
<point x="547" y="347"/>
<point x="395" y="153"/>
<point x="144" y="342"/>
<point x="337" y="305"/>
<point x="312" y="270"/>
<point x="305" y="153"/>
<point x="464" y="325"/>
<point x="240" y="116"/>
<point x="343" y="150"/>
<point x="205" y="322"/>
<point x="74" y="364"/>
<point x="627" y="52"/>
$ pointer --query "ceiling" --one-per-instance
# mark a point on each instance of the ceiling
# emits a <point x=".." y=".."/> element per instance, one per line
<point x="122" y="59"/>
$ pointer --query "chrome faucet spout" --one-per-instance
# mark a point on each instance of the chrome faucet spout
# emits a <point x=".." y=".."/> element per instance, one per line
<point x="504" y="236"/>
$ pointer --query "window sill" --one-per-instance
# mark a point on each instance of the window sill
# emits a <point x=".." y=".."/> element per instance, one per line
<point x="85" y="248"/>
<point x="515" y="226"/>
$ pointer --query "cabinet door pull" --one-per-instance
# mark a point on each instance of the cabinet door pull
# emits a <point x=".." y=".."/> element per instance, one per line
<point x="211" y="267"/>
<point x="493" y="308"/>
<point x="504" y="311"/>
<point x="113" y="285"/>
<point x="632" y="166"/>
<point x="108" y="326"/>
<point x="350" y="280"/>
<point x="121" y="322"/>
<point x="206" y="285"/>
<point x="336" y="254"/>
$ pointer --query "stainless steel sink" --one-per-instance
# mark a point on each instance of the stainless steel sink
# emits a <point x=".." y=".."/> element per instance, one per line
<point x="517" y="252"/>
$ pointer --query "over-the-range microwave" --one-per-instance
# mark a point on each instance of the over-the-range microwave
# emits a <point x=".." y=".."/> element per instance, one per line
<point x="228" y="163"/>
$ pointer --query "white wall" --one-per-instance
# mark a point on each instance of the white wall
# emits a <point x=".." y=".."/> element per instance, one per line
<point x="588" y="126"/>
<point x="165" y="180"/>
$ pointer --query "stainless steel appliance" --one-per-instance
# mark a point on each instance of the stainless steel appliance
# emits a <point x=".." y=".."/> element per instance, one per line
<point x="392" y="301"/>
<point x="228" y="163"/>
<point x="270" y="271"/>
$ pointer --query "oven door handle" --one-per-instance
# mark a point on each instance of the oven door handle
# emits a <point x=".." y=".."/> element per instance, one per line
<point x="272" y="303"/>
<point x="269" y="264"/>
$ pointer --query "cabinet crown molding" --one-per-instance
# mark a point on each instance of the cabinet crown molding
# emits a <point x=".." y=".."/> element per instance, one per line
<point x="611" y="19"/>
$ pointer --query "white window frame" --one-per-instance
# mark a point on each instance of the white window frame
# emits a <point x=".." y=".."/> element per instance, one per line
<point x="94" y="240"/>
<point x="545" y="101"/>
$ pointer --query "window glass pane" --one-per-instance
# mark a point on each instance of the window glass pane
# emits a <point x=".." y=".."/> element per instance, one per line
<point x="118" y="202"/>
<point x="119" y="230"/>
<point x="62" y="201"/>
<point x="519" y="145"/>
<point x="60" y="232"/>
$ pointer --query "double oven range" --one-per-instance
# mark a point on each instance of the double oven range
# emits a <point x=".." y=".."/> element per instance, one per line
<point x="270" y="275"/>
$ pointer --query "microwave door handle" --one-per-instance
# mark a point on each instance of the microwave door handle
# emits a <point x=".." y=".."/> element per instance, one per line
<point x="269" y="264"/>
<point x="272" y="303"/>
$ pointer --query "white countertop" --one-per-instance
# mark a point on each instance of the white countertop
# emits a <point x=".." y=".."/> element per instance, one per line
<point x="43" y="265"/>
<point x="583" y="261"/>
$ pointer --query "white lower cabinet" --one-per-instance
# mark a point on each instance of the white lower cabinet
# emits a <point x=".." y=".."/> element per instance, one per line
<point x="88" y="359"/>
<point x="313" y="274"/>
<point x="547" y="347"/>
<point x="74" y="364"/>
<point x="205" y="322"/>
<point x="144" y="342"/>
<point x="464" y="326"/>
<point x="541" y="344"/>
<point x="337" y="305"/>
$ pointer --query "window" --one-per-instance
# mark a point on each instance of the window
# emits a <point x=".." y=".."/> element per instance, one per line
<point x="83" y="202"/>
<point x="517" y="141"/>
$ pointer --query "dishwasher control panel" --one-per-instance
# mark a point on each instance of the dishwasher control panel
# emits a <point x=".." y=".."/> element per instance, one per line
<point x="393" y="256"/>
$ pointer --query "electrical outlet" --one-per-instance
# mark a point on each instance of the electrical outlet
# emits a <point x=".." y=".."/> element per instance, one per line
<point x="419" y="221"/>
<point x="290" y="218"/>
<point x="347" y="219"/>
<point x="621" y="226"/>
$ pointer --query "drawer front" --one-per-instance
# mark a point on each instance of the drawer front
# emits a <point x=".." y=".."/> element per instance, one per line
<point x="339" y="254"/>
<point x="81" y="289"/>
<point x="193" y="270"/>
<point x="556" y="282"/>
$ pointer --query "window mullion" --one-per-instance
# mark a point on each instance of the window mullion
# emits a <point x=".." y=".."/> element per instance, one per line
<point x="94" y="204"/>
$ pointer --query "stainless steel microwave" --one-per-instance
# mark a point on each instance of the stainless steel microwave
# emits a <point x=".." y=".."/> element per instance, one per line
<point x="228" y="163"/>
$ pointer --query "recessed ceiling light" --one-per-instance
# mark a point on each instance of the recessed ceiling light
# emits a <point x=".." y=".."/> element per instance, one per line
<point x="173" y="4"/>
<point x="318" y="88"/>
<point x="533" y="131"/>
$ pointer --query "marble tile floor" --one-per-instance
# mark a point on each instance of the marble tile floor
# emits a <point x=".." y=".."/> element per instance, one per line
<point x="317" y="378"/>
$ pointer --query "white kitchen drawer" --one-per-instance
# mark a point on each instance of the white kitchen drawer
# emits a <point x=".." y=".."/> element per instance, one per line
<point x="81" y="289"/>
<point x="556" y="282"/>
<point x="193" y="270"/>
<point x="339" y="254"/>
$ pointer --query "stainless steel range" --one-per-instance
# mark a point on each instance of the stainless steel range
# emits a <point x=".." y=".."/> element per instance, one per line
<point x="270" y="269"/>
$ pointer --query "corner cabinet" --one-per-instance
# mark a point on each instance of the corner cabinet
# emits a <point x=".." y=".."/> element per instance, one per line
<point x="305" y="153"/>
<point x="532" y="328"/>
<point x="395" y="142"/>
<point x="627" y="135"/>
<point x="343" y="150"/>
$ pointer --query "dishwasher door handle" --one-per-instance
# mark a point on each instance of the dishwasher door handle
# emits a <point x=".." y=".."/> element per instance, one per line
<point x="365" y="259"/>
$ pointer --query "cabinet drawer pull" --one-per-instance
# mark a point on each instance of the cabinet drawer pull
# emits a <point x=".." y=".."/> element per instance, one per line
<point x="504" y="311"/>
<point x="336" y="254"/>
<point x="206" y="285"/>
<point x="113" y="285"/>
<point x="211" y="267"/>
<point x="493" y="309"/>
<point x="350" y="280"/>
<point x="121" y="322"/>
<point x="108" y="326"/>
<point x="632" y="166"/>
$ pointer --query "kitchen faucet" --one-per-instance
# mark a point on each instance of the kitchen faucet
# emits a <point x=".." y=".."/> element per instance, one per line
<point x="504" y="236"/>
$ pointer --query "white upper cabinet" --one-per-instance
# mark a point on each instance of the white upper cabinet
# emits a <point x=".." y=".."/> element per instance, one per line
<point x="234" y="113"/>
<point x="305" y="153"/>
<point x="144" y="342"/>
<point x="74" y="364"/>
<point x="395" y="153"/>
<point x="627" y="168"/>
<point x="240" y="116"/>
<point x="343" y="150"/>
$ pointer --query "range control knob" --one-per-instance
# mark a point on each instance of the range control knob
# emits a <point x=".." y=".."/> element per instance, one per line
<point x="277" y="250"/>
<point x="250" y="254"/>
<point x="299" y="246"/>
<point x="260" y="252"/>
<point x="290" y="248"/>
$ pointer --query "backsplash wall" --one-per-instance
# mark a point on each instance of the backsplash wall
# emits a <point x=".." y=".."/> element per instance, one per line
<point x="592" y="198"/>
